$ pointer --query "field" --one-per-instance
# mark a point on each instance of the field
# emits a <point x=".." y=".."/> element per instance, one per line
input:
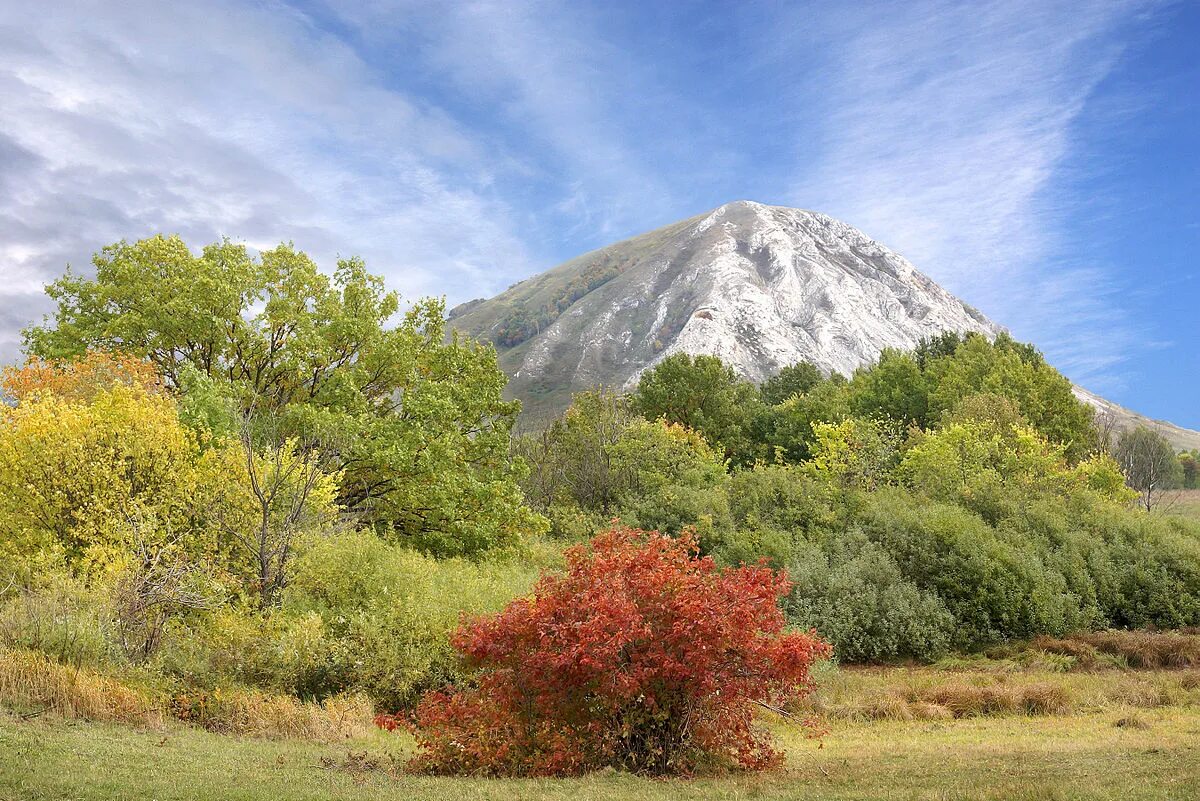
<point x="1185" y="503"/>
<point x="1024" y="725"/>
<point x="1086" y="756"/>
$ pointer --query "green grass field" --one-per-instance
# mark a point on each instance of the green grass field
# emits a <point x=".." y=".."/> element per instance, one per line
<point x="1153" y="754"/>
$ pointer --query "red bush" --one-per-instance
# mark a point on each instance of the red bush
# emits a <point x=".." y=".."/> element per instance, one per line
<point x="641" y="656"/>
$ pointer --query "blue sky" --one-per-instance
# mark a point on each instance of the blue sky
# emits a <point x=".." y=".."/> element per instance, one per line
<point x="1039" y="159"/>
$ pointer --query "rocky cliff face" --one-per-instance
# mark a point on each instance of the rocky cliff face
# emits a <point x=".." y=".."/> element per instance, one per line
<point x="759" y="286"/>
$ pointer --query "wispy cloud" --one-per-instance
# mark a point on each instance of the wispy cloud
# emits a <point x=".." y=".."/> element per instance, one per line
<point x="947" y="133"/>
<point x="558" y="97"/>
<point x="211" y="119"/>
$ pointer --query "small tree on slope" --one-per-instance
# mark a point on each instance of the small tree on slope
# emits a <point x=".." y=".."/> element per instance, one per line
<point x="641" y="656"/>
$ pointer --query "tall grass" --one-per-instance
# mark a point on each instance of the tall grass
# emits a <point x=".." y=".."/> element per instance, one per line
<point x="1138" y="649"/>
<point x="30" y="681"/>
<point x="32" y="684"/>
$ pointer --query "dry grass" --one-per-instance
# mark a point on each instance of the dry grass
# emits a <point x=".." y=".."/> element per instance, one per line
<point x="931" y="693"/>
<point x="1137" y="649"/>
<point x="256" y="714"/>
<point x="34" y="685"/>
<point x="31" y="682"/>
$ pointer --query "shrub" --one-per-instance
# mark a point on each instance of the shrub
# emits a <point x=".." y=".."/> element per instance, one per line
<point x="853" y="594"/>
<point x="362" y="615"/>
<point x="61" y="618"/>
<point x="641" y="656"/>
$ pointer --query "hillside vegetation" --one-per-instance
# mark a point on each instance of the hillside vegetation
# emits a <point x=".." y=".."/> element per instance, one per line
<point x="243" y="494"/>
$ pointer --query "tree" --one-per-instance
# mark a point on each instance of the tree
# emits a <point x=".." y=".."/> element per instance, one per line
<point x="1016" y="371"/>
<point x="795" y="379"/>
<point x="76" y="476"/>
<point x="894" y="387"/>
<point x="995" y="468"/>
<point x="266" y="501"/>
<point x="855" y="453"/>
<point x="641" y="656"/>
<point x="1189" y="465"/>
<point x="77" y="379"/>
<point x="703" y="394"/>
<point x="785" y="432"/>
<point x="416" y="419"/>
<point x="1149" y="463"/>
<point x="601" y="460"/>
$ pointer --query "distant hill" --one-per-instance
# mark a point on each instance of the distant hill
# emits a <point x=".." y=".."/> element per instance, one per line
<point x="1118" y="418"/>
<point x="759" y="286"/>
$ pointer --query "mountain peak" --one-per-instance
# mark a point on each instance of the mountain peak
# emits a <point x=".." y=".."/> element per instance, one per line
<point x="759" y="286"/>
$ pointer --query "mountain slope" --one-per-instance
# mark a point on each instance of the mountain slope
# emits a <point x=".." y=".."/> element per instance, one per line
<point x="1117" y="418"/>
<point x="760" y="286"/>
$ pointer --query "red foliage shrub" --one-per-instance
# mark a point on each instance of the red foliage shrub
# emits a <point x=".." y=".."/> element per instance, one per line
<point x="641" y="656"/>
<point x="388" y="722"/>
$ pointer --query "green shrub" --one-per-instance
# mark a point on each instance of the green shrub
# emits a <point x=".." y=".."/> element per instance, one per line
<point x="367" y="616"/>
<point x="853" y="594"/>
<point x="62" y="618"/>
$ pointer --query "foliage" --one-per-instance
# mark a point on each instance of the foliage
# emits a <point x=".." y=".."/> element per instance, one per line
<point x="853" y="593"/>
<point x="703" y="394"/>
<point x="894" y="388"/>
<point x="1189" y="469"/>
<point x="641" y="656"/>
<point x="602" y="460"/>
<point x="1020" y="373"/>
<point x="856" y="452"/>
<point x="415" y="422"/>
<point x="77" y="478"/>
<point x="363" y="615"/>
<point x="794" y="379"/>
<point x="76" y="379"/>
<point x="785" y="432"/>
<point x="1149" y="463"/>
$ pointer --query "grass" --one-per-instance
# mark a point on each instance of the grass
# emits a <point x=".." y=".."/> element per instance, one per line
<point x="1028" y="723"/>
<point x="33" y="685"/>
<point x="1185" y="503"/>
<point x="986" y="688"/>
<point x="1138" y="649"/>
<point x="1115" y="754"/>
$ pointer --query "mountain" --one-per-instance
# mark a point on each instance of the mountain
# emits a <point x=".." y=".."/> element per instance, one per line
<point x="1117" y="418"/>
<point x="759" y="286"/>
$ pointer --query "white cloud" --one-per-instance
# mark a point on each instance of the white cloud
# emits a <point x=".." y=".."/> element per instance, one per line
<point x="947" y="131"/>
<point x="211" y="119"/>
<point x="559" y="96"/>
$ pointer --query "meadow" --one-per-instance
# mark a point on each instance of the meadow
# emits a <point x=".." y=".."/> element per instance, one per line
<point x="1033" y="722"/>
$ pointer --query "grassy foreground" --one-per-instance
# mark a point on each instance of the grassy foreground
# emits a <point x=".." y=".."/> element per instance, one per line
<point x="1152" y="754"/>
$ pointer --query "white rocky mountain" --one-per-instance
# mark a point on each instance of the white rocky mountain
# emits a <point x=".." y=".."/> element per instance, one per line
<point x="759" y="286"/>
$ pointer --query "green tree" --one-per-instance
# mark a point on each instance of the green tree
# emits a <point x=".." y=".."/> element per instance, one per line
<point x="785" y="432"/>
<point x="703" y="394"/>
<point x="795" y="379"/>
<point x="1016" y="371"/>
<point x="601" y="460"/>
<point x="415" y="423"/>
<point x="894" y="387"/>
<point x="1189" y="465"/>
